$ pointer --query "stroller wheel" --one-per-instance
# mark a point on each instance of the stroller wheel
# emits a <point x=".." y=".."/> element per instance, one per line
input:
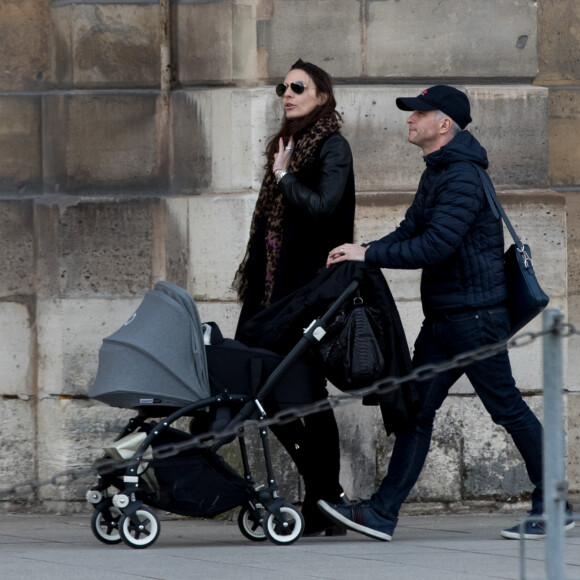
<point x="250" y="521"/>
<point x="105" y="525"/>
<point x="286" y="531"/>
<point x="143" y="535"/>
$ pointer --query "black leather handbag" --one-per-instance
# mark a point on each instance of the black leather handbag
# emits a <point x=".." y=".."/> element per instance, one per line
<point x="526" y="299"/>
<point x="352" y="349"/>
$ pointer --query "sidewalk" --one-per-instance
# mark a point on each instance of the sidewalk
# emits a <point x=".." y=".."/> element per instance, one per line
<point x="442" y="547"/>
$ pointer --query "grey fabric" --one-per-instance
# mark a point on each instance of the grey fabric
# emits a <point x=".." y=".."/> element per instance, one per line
<point x="157" y="358"/>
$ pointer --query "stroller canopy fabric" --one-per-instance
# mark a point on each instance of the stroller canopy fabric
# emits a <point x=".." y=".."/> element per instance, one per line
<point x="157" y="358"/>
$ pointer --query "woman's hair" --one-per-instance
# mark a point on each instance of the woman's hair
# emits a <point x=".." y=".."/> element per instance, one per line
<point x="323" y="84"/>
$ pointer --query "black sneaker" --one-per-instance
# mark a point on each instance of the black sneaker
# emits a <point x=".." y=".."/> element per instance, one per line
<point x="361" y="518"/>
<point x="536" y="529"/>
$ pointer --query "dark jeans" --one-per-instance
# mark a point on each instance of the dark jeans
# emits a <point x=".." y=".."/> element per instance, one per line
<point x="440" y="339"/>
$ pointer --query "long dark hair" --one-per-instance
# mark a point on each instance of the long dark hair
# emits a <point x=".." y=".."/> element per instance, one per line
<point x="323" y="83"/>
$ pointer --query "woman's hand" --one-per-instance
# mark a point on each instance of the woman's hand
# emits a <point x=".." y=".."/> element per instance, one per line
<point x="284" y="156"/>
<point x="346" y="252"/>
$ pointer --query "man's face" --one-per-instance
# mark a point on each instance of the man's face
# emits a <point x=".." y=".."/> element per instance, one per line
<point x="424" y="130"/>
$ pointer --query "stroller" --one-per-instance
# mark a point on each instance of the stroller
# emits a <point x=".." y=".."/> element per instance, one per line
<point x="159" y="363"/>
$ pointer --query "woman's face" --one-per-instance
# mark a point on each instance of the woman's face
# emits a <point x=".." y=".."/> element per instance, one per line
<point x="296" y="105"/>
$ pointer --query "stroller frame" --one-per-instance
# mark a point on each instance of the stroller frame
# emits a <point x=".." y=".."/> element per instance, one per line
<point x="126" y="517"/>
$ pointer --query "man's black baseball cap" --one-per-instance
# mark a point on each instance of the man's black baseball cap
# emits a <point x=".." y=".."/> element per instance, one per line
<point x="440" y="98"/>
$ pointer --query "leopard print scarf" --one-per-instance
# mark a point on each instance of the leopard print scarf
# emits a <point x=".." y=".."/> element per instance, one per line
<point x="271" y="207"/>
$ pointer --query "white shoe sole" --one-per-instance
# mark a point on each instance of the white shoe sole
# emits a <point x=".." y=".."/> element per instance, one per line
<point x="341" y="520"/>
<point x="517" y="536"/>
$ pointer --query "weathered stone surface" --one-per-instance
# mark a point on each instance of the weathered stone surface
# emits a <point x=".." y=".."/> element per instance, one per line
<point x="564" y="128"/>
<point x="339" y="53"/>
<point x="215" y="250"/>
<point x="558" y="42"/>
<point x="71" y="436"/>
<point x="220" y="136"/>
<point x="399" y="47"/>
<point x="17" y="255"/>
<point x="20" y="145"/>
<point x="215" y="41"/>
<point x="104" y="44"/>
<point x="23" y="44"/>
<point x="492" y="464"/>
<point x="105" y="143"/>
<point x="70" y="334"/>
<point x="573" y="439"/>
<point x="362" y="439"/>
<point x="512" y="124"/>
<point x="89" y="248"/>
<point x="17" y="349"/>
<point x="18" y="436"/>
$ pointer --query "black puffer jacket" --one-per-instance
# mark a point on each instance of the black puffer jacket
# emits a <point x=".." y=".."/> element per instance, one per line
<point x="450" y="232"/>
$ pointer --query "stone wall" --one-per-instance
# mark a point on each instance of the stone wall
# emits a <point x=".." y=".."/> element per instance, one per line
<point x="131" y="143"/>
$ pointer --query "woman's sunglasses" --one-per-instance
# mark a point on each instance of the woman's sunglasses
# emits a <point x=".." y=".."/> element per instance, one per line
<point x="297" y="87"/>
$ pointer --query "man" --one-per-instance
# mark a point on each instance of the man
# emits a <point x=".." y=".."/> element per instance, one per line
<point x="451" y="234"/>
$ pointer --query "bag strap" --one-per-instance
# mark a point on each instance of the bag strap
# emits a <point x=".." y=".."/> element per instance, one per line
<point x="496" y="207"/>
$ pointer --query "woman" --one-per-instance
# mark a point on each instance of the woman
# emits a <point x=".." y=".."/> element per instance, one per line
<point x="305" y="208"/>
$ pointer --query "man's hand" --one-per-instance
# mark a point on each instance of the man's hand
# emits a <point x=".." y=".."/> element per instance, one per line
<point x="346" y="252"/>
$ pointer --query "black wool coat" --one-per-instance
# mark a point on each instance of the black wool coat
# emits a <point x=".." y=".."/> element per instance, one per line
<point x="320" y="216"/>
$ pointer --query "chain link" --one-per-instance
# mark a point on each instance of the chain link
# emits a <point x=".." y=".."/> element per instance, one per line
<point x="211" y="438"/>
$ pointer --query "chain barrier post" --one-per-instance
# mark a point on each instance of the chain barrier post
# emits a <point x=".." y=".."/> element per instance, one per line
<point x="555" y="485"/>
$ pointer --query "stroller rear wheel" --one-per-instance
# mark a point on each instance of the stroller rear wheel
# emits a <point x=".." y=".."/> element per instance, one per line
<point x="288" y="529"/>
<point x="143" y="535"/>
<point x="250" y="521"/>
<point x="105" y="525"/>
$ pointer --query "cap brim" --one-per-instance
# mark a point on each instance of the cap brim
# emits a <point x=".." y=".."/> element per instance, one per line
<point x="414" y="104"/>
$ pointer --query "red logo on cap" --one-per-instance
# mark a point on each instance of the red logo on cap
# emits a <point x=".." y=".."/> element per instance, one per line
<point x="424" y="92"/>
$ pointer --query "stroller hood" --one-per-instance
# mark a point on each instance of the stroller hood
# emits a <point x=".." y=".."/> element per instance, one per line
<point x="157" y="358"/>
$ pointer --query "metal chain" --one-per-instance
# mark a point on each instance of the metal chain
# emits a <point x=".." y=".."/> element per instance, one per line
<point x="380" y="387"/>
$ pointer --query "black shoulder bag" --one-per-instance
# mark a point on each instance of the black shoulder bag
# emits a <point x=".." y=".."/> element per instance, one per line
<point x="526" y="299"/>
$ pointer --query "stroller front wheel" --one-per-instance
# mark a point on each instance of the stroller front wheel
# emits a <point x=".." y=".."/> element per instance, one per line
<point x="142" y="535"/>
<point x="288" y="528"/>
<point x="105" y="525"/>
<point x="250" y="522"/>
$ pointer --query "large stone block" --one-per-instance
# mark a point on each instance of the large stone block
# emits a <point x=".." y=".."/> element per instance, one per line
<point x="70" y="334"/>
<point x="20" y="145"/>
<point x="215" y="41"/>
<point x="97" y="247"/>
<point x="558" y="42"/>
<point x="564" y="128"/>
<point x="513" y="125"/>
<point x="510" y="122"/>
<point x="502" y="39"/>
<point x="17" y="349"/>
<point x="71" y="436"/>
<point x="219" y="229"/>
<point x="220" y="137"/>
<point x="362" y="440"/>
<point x="573" y="439"/>
<point x="105" y="44"/>
<point x="24" y="44"/>
<point x="17" y="255"/>
<point x="492" y="464"/>
<point x="18" y="436"/>
<point x="327" y="32"/>
<point x="109" y="142"/>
